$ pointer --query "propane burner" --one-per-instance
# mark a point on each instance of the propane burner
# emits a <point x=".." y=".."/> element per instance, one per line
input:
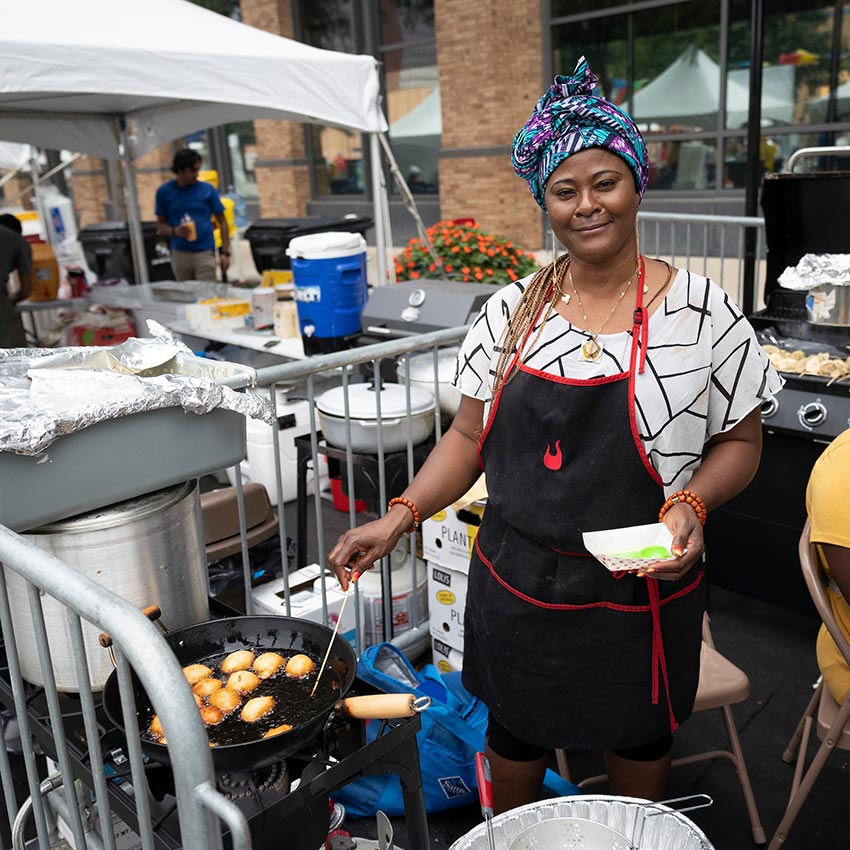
<point x="253" y="783"/>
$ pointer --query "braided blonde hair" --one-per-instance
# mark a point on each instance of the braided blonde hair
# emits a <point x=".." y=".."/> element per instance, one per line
<point x="521" y="320"/>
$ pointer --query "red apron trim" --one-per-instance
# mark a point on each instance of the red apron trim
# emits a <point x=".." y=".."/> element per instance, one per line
<point x="563" y="606"/>
<point x="659" y="660"/>
<point x="640" y="332"/>
<point x="494" y="405"/>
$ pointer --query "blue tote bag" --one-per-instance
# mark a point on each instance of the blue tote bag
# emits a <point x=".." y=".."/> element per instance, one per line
<point x="453" y="730"/>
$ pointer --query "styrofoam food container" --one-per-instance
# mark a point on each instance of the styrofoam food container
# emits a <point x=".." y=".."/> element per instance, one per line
<point x="630" y="548"/>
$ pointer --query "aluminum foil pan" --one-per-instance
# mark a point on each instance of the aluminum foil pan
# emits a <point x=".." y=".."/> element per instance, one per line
<point x="46" y="393"/>
<point x="666" y="829"/>
<point x="816" y="270"/>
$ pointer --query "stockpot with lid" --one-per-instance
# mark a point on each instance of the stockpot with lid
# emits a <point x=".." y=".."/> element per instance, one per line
<point x="148" y="550"/>
<point x="363" y="415"/>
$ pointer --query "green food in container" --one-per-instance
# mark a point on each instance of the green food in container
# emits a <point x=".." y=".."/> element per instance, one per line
<point x="658" y="553"/>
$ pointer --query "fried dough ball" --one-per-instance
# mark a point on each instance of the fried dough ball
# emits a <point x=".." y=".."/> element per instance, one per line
<point x="833" y="367"/>
<point x="771" y="349"/>
<point x="277" y="730"/>
<point x="300" y="666"/>
<point x="206" y="686"/>
<point x="198" y="701"/>
<point x="225" y="700"/>
<point x="195" y="672"/>
<point x="267" y="664"/>
<point x="242" y="659"/>
<point x="813" y="364"/>
<point x="243" y="681"/>
<point x="256" y="708"/>
<point x="798" y="355"/>
<point x="156" y="728"/>
<point x="211" y="715"/>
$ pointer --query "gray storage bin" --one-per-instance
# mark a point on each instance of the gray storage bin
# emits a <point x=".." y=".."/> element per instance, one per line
<point x="116" y="460"/>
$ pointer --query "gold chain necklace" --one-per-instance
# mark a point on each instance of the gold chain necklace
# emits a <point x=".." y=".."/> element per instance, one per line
<point x="592" y="349"/>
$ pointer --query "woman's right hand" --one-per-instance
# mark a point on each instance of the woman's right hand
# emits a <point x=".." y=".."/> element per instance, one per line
<point x="359" y="548"/>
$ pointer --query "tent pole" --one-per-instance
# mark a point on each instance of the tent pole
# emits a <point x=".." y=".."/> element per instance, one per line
<point x="379" y="190"/>
<point x="39" y="201"/>
<point x="134" y="222"/>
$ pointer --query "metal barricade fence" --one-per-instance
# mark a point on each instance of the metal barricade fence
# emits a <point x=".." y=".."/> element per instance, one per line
<point x="342" y="365"/>
<point x="139" y="645"/>
<point x="711" y="245"/>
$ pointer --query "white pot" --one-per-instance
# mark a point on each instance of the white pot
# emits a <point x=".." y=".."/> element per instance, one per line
<point x="422" y="376"/>
<point x="362" y="408"/>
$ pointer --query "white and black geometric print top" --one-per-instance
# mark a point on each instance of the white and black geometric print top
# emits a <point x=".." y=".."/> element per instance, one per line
<point x="705" y="370"/>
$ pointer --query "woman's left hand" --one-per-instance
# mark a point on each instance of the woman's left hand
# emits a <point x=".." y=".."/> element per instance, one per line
<point x="687" y="546"/>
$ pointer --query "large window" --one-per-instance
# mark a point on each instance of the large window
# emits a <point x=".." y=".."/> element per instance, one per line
<point x="409" y="54"/>
<point x="685" y="78"/>
<point x="400" y="33"/>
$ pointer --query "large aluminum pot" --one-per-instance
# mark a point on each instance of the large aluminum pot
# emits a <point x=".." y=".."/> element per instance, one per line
<point x="149" y="550"/>
<point x="630" y="824"/>
<point x="363" y="413"/>
<point x="424" y="375"/>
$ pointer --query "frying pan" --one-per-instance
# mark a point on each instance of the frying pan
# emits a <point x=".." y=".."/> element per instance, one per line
<point x="286" y="635"/>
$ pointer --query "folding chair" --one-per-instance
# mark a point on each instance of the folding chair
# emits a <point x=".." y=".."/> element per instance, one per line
<point x="721" y="685"/>
<point x="828" y="717"/>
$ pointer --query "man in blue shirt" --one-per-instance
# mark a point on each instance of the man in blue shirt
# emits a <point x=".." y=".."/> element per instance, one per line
<point x="184" y="210"/>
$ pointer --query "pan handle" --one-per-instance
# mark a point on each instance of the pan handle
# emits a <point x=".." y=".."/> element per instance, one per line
<point x="152" y="612"/>
<point x="382" y="706"/>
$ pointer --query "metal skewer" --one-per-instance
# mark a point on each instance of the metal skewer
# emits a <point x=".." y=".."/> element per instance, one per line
<point x="354" y="576"/>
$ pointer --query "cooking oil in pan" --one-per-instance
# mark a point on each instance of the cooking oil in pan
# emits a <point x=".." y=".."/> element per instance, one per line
<point x="293" y="704"/>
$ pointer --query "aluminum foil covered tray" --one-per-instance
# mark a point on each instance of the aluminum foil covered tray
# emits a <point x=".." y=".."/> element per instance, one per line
<point x="646" y="826"/>
<point x="81" y="428"/>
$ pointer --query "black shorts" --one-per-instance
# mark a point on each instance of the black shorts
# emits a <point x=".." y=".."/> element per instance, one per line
<point x="508" y="746"/>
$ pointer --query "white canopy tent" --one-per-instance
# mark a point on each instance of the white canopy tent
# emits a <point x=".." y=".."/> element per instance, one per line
<point x="689" y="91"/>
<point x="118" y="79"/>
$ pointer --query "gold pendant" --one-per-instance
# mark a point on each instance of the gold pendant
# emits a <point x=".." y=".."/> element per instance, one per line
<point x="591" y="350"/>
<point x="565" y="298"/>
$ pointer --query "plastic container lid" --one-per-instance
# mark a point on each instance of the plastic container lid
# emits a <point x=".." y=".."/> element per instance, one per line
<point x="323" y="246"/>
<point x="362" y="401"/>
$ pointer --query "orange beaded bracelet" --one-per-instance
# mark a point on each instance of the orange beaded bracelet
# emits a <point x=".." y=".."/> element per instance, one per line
<point x="689" y="498"/>
<point x="400" y="500"/>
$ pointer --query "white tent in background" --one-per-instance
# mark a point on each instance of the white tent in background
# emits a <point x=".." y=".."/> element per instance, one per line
<point x="13" y="156"/>
<point x="117" y="79"/>
<point x="818" y="105"/>
<point x="416" y="137"/>
<point x="688" y="92"/>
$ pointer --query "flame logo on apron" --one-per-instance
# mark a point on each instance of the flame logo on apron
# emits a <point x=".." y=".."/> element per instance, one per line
<point x="553" y="459"/>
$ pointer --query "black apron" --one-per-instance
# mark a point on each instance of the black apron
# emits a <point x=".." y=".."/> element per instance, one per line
<point x="563" y="652"/>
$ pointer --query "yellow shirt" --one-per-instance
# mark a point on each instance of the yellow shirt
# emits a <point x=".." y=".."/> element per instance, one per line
<point x="827" y="505"/>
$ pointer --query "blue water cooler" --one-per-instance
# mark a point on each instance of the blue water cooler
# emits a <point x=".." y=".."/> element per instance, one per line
<point x="329" y="271"/>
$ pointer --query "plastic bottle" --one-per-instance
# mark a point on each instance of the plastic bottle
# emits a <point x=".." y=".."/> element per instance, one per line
<point x="240" y="207"/>
<point x="189" y="222"/>
<point x="408" y="610"/>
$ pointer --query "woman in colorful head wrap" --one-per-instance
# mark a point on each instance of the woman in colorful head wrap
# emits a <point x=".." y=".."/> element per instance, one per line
<point x="593" y="393"/>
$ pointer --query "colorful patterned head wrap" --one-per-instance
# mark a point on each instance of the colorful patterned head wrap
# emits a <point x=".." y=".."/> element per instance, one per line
<point x="567" y="119"/>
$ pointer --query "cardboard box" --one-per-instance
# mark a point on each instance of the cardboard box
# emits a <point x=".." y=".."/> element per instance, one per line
<point x="446" y="601"/>
<point x="216" y="314"/>
<point x="446" y="658"/>
<point x="305" y="603"/>
<point x="449" y="535"/>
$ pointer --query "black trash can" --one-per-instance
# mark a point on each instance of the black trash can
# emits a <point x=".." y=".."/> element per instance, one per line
<point x="270" y="237"/>
<point x="109" y="253"/>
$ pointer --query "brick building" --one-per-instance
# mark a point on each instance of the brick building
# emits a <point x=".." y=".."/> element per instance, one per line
<point x="460" y="77"/>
